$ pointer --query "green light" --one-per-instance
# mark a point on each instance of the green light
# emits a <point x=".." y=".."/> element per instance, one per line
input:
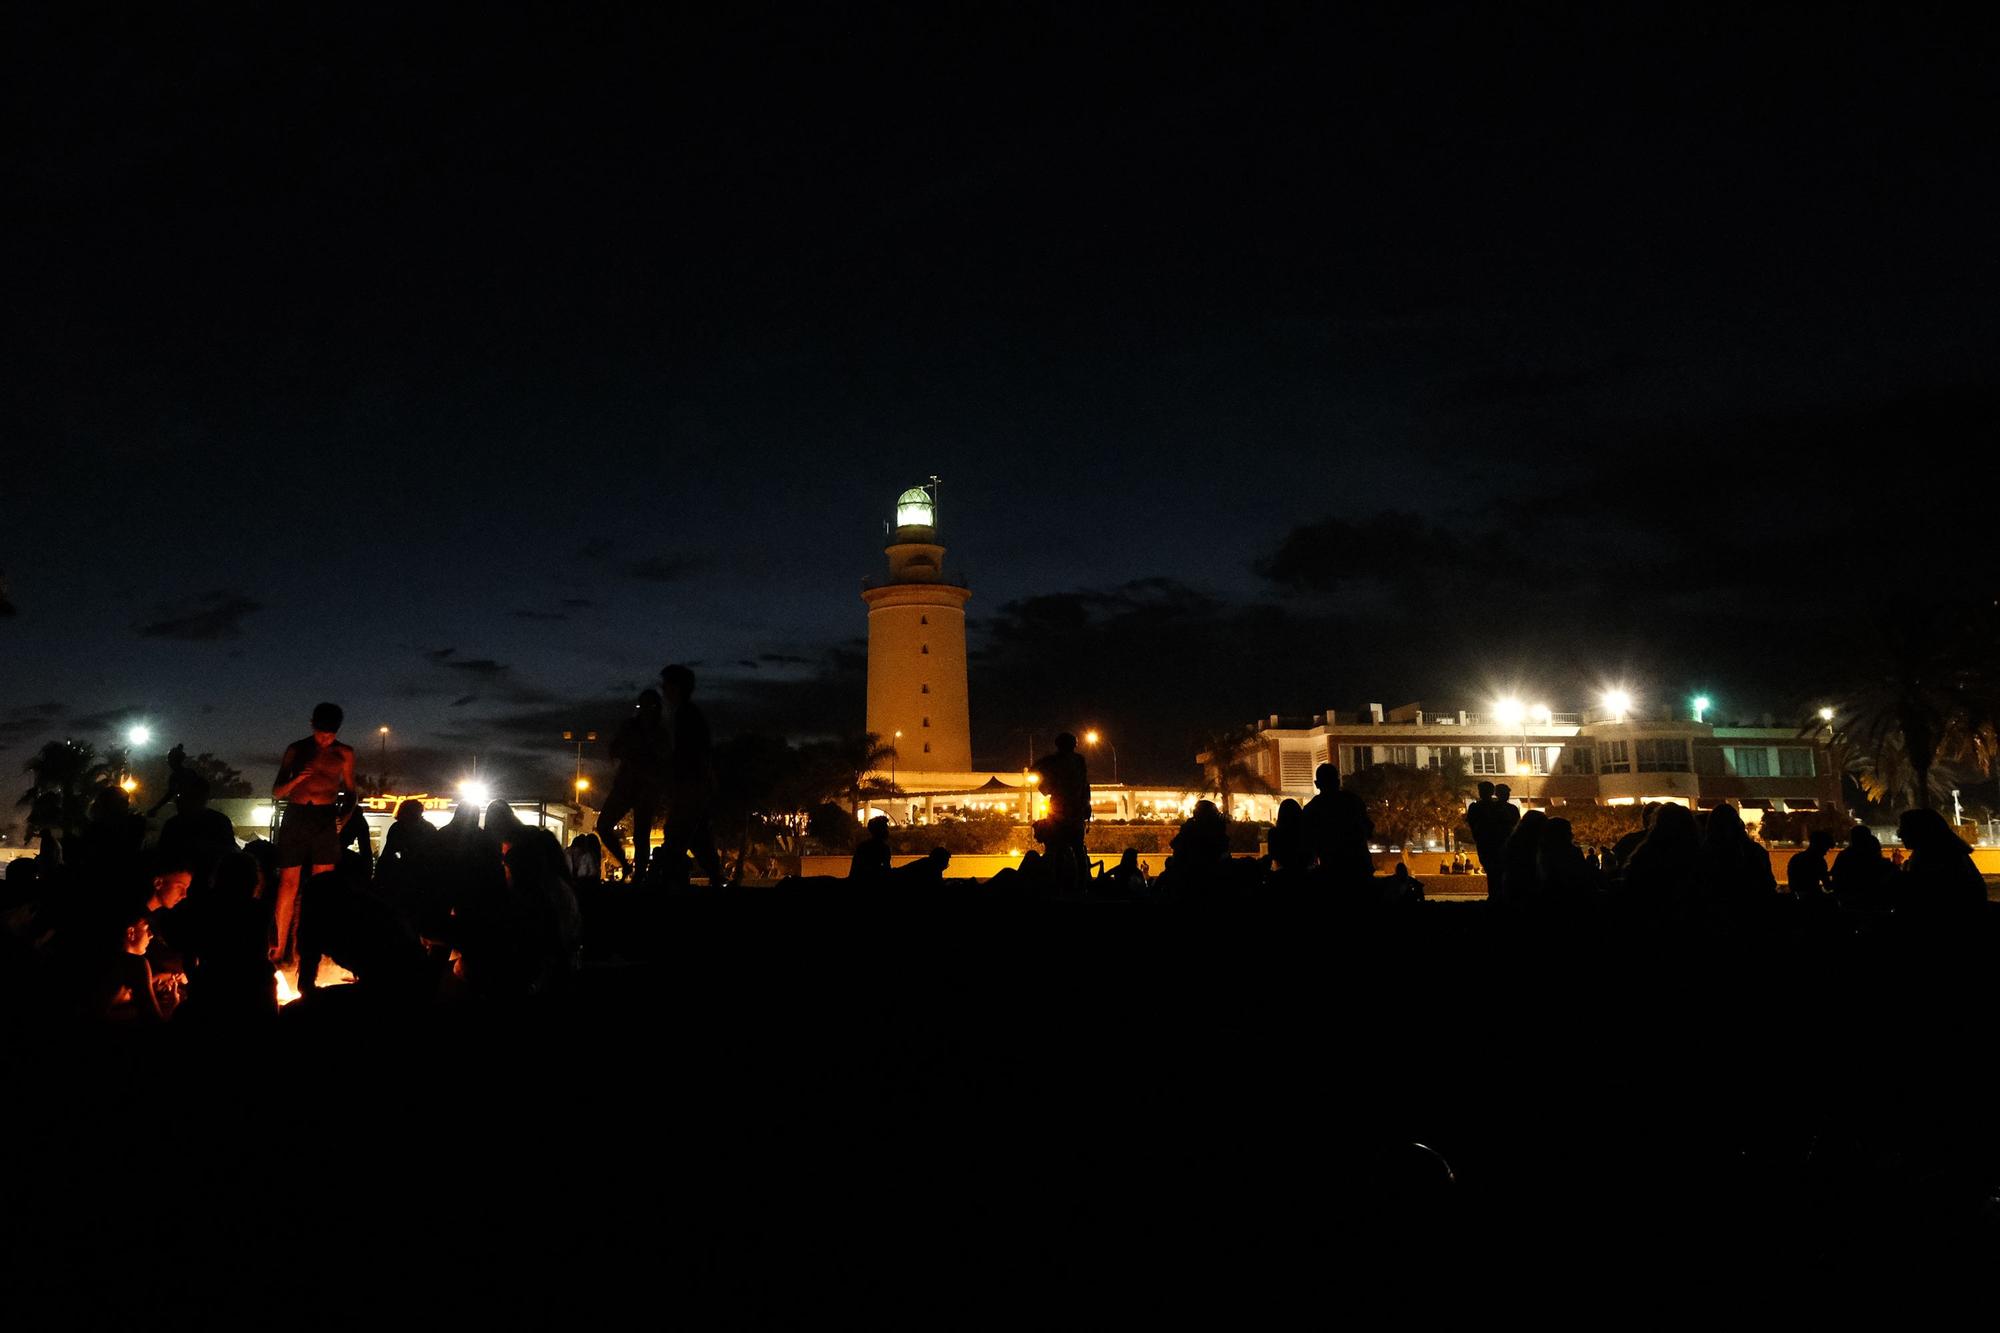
<point x="915" y="509"/>
<point x="1701" y="705"/>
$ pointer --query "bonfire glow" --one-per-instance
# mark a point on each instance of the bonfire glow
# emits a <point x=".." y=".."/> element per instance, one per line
<point x="286" y="991"/>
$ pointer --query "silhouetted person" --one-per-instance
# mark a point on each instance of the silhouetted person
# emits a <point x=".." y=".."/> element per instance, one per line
<point x="121" y="989"/>
<point x="232" y="982"/>
<point x="1127" y="879"/>
<point x="868" y="868"/>
<point x="1621" y="851"/>
<point x="1807" y="874"/>
<point x="105" y="854"/>
<point x="1940" y="888"/>
<point x="313" y="775"/>
<point x="1664" y="872"/>
<point x="1735" y="868"/>
<point x="1337" y="829"/>
<point x="1492" y="818"/>
<point x="406" y="850"/>
<point x="690" y="780"/>
<point x="1862" y="876"/>
<point x="1568" y="880"/>
<point x="1520" y="875"/>
<point x="586" y="859"/>
<point x="1200" y="853"/>
<point x="196" y="834"/>
<point x="178" y="774"/>
<point x="1065" y="784"/>
<point x="923" y="876"/>
<point x="1289" y="844"/>
<point x="639" y="786"/>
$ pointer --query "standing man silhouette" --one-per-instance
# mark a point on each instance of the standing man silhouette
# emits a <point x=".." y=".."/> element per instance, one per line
<point x="312" y="776"/>
<point x="690" y="781"/>
<point x="1066" y="783"/>
<point x="640" y="751"/>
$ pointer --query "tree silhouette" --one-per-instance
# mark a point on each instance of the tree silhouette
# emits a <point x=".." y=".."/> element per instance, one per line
<point x="65" y="774"/>
<point x="1407" y="803"/>
<point x="851" y="768"/>
<point x="1225" y="760"/>
<point x="1929" y="699"/>
<point x="223" y="781"/>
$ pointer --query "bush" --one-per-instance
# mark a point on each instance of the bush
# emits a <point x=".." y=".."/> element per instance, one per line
<point x="985" y="835"/>
<point x="1795" y="826"/>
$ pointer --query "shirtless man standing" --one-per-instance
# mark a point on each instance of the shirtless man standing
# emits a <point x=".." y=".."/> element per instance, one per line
<point x="313" y="773"/>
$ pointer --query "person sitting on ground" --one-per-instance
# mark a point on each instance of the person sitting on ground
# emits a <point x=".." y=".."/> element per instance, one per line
<point x="1200" y="854"/>
<point x="1807" y="874"/>
<point x="868" y="868"/>
<point x="586" y="859"/>
<point x="1941" y="887"/>
<point x="1403" y="886"/>
<point x="1862" y="876"/>
<point x="922" y="875"/>
<point x="197" y="835"/>
<point x="1126" y="879"/>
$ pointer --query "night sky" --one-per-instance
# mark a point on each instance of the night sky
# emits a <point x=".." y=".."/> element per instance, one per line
<point x="465" y="372"/>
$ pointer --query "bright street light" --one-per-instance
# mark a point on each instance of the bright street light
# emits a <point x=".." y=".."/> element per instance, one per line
<point x="1509" y="712"/>
<point x="474" y="791"/>
<point x="139" y="734"/>
<point x="1701" y="705"/>
<point x="1826" y="715"/>
<point x="1090" y="737"/>
<point x="1618" y="702"/>
<point x="583" y="784"/>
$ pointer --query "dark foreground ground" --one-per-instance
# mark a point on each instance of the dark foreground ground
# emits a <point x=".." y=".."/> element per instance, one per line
<point x="1021" y="1114"/>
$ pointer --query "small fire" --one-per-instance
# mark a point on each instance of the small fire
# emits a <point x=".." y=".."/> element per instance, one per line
<point x="330" y="974"/>
<point x="286" y="991"/>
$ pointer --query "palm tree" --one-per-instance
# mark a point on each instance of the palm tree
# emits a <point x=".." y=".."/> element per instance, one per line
<point x="65" y="773"/>
<point x="852" y="767"/>
<point x="1932" y="699"/>
<point x="1226" y="762"/>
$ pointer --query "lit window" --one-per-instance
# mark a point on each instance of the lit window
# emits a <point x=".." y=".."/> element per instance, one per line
<point x="1485" y="759"/>
<point x="1795" y="763"/>
<point x="1616" y="759"/>
<point x="1579" y="759"/>
<point x="1406" y="755"/>
<point x="1532" y="757"/>
<point x="1752" y="761"/>
<point x="1663" y="756"/>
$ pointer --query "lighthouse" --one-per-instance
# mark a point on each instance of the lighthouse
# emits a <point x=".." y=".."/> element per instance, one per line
<point x="916" y="646"/>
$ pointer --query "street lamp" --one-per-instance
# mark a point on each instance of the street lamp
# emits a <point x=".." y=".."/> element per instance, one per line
<point x="1617" y="703"/>
<point x="895" y="757"/>
<point x="1701" y="705"/>
<point x="582" y="739"/>
<point x="1826" y="715"/>
<point x="384" y="779"/>
<point x="1091" y="738"/>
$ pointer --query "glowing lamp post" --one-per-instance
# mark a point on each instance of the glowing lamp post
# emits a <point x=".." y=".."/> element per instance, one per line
<point x="1701" y="704"/>
<point x="1617" y="703"/>
<point x="1091" y="738"/>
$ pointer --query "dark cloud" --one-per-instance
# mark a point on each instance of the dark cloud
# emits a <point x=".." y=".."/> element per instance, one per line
<point x="463" y="700"/>
<point x="109" y="719"/>
<point x="746" y="662"/>
<point x="578" y="603"/>
<point x="6" y="602"/>
<point x="538" y="615"/>
<point x="661" y="568"/>
<point x="597" y="548"/>
<point x="479" y="666"/>
<point x="784" y="659"/>
<point x="440" y="654"/>
<point x="211" y="616"/>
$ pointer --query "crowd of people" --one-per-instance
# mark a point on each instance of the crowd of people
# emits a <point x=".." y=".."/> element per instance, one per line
<point x="100" y="926"/>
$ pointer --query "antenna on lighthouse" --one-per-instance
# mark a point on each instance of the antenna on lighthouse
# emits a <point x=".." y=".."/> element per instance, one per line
<point x="934" y="491"/>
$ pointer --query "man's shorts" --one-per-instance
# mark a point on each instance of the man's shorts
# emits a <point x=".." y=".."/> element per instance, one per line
<point x="309" y="836"/>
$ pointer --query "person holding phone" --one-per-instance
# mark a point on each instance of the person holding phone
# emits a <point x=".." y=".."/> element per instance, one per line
<point x="312" y="777"/>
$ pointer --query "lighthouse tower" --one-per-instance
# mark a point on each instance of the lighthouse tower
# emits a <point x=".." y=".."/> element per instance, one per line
<point x="916" y="647"/>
